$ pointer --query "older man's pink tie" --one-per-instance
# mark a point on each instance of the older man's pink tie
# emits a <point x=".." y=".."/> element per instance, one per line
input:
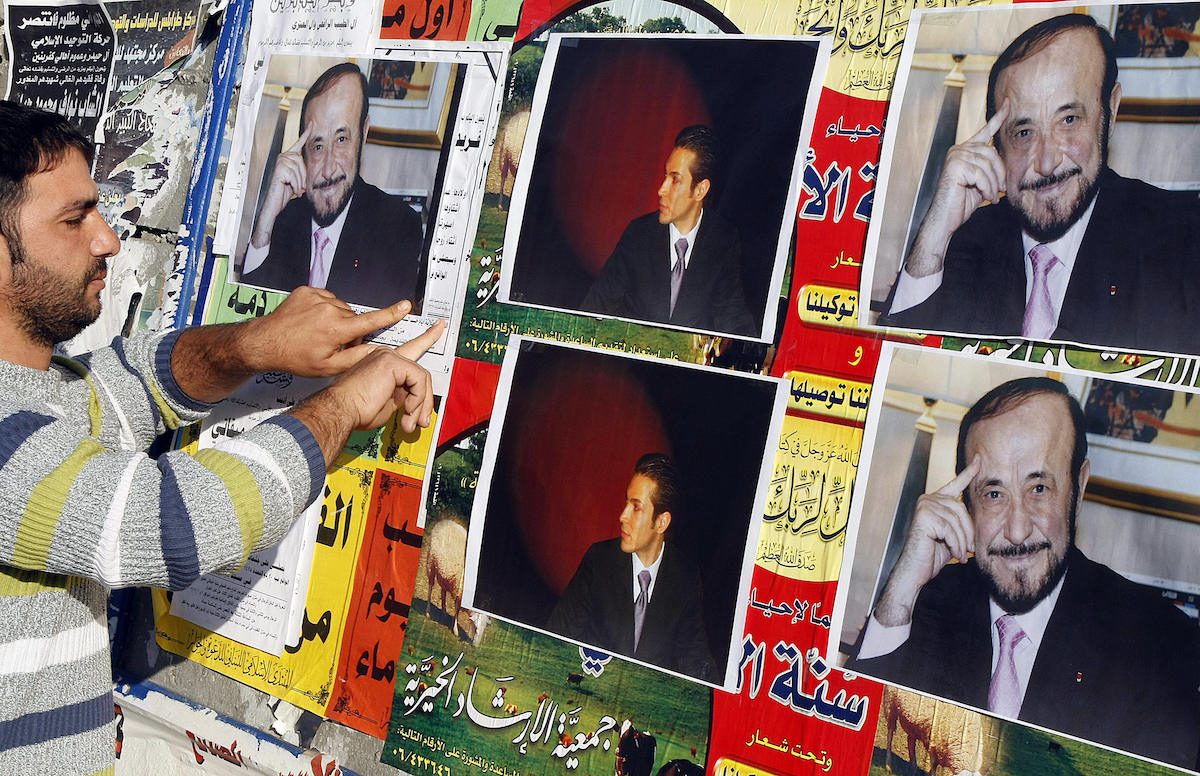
<point x="1004" y="696"/>
<point x="1040" y="320"/>
<point x="318" y="270"/>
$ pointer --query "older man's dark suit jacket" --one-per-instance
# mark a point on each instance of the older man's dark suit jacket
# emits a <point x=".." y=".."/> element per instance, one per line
<point x="597" y="609"/>
<point x="1135" y="282"/>
<point x="377" y="258"/>
<point x="1117" y="664"/>
<point x="636" y="280"/>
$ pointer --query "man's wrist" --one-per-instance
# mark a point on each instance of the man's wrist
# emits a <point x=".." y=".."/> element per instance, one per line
<point x="329" y="418"/>
<point x="925" y="260"/>
<point x="210" y="362"/>
<point x="895" y="606"/>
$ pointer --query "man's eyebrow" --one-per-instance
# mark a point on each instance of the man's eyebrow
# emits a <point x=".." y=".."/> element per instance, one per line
<point x="83" y="203"/>
<point x="334" y="131"/>
<point x="1075" y="105"/>
<point x="1040" y="474"/>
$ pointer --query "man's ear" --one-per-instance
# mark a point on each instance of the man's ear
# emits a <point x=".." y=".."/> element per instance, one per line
<point x="6" y="268"/>
<point x="1114" y="103"/>
<point x="700" y="190"/>
<point x="662" y="521"/>
<point x="1085" y="471"/>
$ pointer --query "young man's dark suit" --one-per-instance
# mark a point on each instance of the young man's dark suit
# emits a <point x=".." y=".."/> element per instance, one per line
<point x="1135" y="282"/>
<point x="597" y="609"/>
<point x="636" y="280"/>
<point x="377" y="256"/>
<point x="1117" y="663"/>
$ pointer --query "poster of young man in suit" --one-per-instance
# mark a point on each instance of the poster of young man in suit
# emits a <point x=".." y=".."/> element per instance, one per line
<point x="615" y="508"/>
<point x="671" y="202"/>
<point x="1032" y="203"/>
<point x="1031" y="560"/>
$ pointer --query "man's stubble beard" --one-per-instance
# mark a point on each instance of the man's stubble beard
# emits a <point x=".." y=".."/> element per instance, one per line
<point x="49" y="312"/>
<point x="1025" y="593"/>
<point x="1058" y="221"/>
<point x="326" y="216"/>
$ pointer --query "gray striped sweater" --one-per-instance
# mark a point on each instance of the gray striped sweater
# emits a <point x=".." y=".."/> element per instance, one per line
<point x="83" y="509"/>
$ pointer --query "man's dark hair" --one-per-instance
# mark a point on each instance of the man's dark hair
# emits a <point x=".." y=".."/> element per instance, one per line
<point x="1007" y="396"/>
<point x="31" y="141"/>
<point x="1041" y="35"/>
<point x="659" y="468"/>
<point x="701" y="141"/>
<point x="327" y="80"/>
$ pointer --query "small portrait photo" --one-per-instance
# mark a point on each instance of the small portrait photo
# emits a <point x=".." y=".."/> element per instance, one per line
<point x="1023" y="543"/>
<point x="660" y="178"/>
<point x="346" y="169"/>
<point x="1040" y="178"/>
<point x="617" y="508"/>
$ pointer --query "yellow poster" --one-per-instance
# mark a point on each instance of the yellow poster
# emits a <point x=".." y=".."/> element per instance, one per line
<point x="303" y="674"/>
<point x="808" y="501"/>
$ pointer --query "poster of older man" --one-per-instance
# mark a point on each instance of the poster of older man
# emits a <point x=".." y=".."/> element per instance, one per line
<point x="1034" y="558"/>
<point x="349" y="165"/>
<point x="1045" y="208"/>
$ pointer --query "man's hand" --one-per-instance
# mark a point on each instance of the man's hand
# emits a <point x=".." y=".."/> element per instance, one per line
<point x="941" y="529"/>
<point x="314" y="334"/>
<point x="972" y="175"/>
<point x="383" y="382"/>
<point x="311" y="334"/>
<point x="289" y="180"/>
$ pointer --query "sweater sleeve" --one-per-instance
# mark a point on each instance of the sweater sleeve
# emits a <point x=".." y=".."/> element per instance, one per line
<point x="81" y="497"/>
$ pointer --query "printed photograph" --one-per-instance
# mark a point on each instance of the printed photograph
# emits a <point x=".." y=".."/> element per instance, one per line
<point x="1023" y="188"/>
<point x="661" y="178"/>
<point x="617" y="510"/>
<point x="1016" y="551"/>
<point x="345" y="174"/>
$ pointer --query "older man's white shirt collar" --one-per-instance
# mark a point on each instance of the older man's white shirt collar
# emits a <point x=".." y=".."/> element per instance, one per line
<point x="652" y="568"/>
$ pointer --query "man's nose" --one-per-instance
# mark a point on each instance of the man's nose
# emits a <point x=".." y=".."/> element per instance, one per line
<point x="1018" y="525"/>
<point x="1048" y="155"/>
<point x="663" y="187"/>
<point x="104" y="240"/>
<point x="319" y="162"/>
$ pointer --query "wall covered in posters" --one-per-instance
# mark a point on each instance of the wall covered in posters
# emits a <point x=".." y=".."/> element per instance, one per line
<point x="731" y="300"/>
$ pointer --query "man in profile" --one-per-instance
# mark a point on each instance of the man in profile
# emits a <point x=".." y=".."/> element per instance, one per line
<point x="1066" y="249"/>
<point x="321" y="224"/>
<point x="682" y="264"/>
<point x="637" y="595"/>
<point x="1029" y="628"/>
<point x="84" y="507"/>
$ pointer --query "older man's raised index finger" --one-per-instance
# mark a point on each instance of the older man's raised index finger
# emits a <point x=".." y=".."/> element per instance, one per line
<point x="992" y="126"/>
<point x="300" y="141"/>
<point x="956" y="486"/>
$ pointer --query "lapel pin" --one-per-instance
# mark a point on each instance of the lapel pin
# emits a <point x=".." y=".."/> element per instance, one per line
<point x="1079" y="674"/>
<point x="1112" y="290"/>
